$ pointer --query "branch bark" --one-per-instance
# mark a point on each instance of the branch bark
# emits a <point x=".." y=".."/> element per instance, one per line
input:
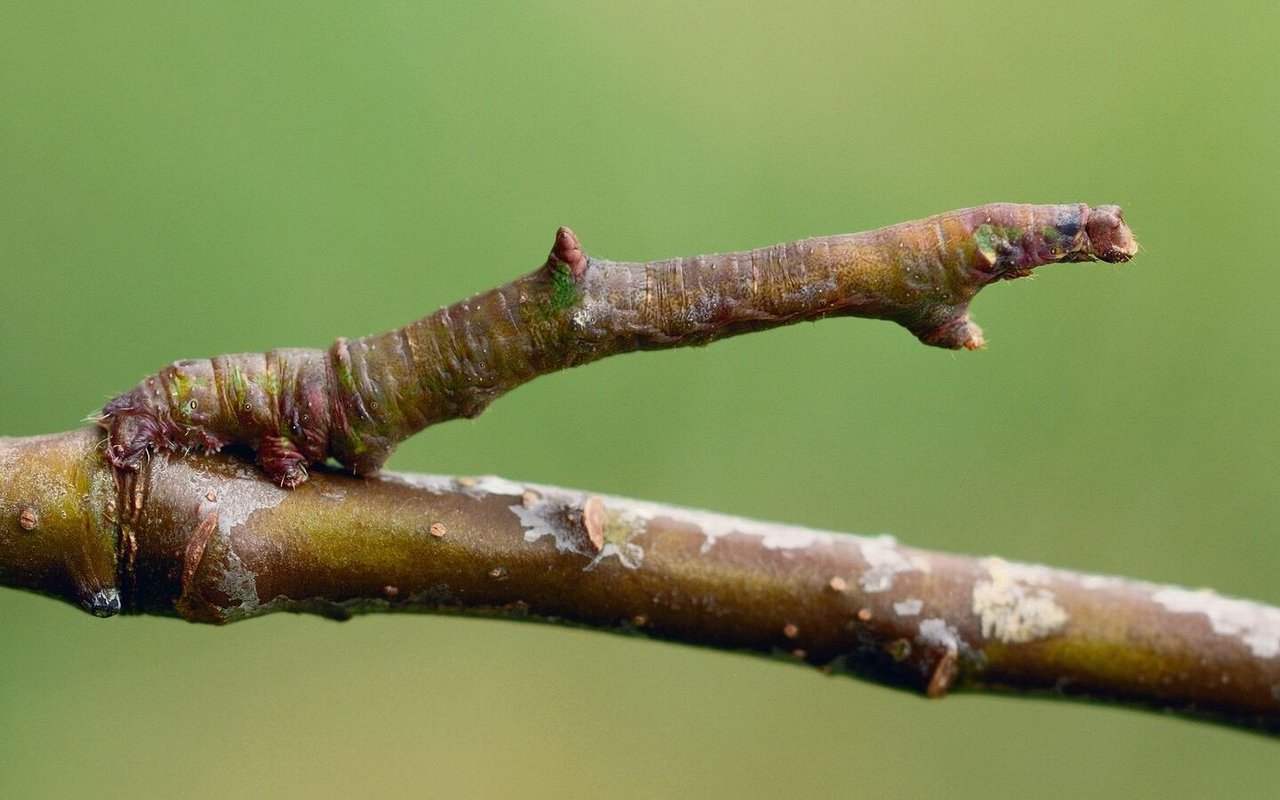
<point x="216" y="542"/>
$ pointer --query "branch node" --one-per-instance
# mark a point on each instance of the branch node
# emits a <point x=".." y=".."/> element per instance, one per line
<point x="195" y="548"/>
<point x="944" y="673"/>
<point x="593" y="515"/>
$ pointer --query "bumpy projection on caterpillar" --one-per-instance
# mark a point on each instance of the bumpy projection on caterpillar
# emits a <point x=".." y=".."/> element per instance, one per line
<point x="356" y="400"/>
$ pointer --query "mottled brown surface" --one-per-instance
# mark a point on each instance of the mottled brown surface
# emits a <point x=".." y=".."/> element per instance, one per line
<point x="214" y="542"/>
<point x="357" y="400"/>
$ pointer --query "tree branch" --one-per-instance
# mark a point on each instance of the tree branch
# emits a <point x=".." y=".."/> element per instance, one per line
<point x="216" y="542"/>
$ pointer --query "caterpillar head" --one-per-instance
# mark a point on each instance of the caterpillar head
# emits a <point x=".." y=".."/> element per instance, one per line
<point x="1096" y="234"/>
<point x="1109" y="237"/>
<point x="1013" y="240"/>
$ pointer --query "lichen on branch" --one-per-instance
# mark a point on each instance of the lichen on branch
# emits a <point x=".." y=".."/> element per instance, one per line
<point x="215" y="542"/>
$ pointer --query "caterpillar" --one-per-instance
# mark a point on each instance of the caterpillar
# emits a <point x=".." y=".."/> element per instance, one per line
<point x="354" y="401"/>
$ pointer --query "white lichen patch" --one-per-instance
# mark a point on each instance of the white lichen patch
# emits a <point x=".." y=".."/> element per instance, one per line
<point x="241" y="499"/>
<point x="717" y="526"/>
<point x="791" y="537"/>
<point x="1098" y="582"/>
<point x="239" y="584"/>
<point x="1254" y="624"/>
<point x="628" y="554"/>
<point x="479" y="486"/>
<point x="543" y="513"/>
<point x="236" y="501"/>
<point x="1040" y="574"/>
<point x="772" y="536"/>
<point x="936" y="632"/>
<point x="908" y="608"/>
<point x="492" y="484"/>
<point x="885" y="561"/>
<point x="536" y="519"/>
<point x="1011" y="608"/>
<point x="436" y="484"/>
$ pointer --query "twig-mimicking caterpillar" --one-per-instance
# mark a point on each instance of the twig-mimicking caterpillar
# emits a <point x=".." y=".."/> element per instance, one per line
<point x="356" y="400"/>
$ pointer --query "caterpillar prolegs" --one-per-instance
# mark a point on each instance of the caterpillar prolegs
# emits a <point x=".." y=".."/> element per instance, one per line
<point x="356" y="400"/>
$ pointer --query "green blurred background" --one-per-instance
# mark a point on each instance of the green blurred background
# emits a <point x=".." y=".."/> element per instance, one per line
<point x="181" y="179"/>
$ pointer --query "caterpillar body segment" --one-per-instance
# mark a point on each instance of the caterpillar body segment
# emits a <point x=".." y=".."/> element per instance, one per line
<point x="355" y="401"/>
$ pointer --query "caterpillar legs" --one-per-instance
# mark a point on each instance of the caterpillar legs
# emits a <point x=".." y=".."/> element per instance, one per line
<point x="283" y="461"/>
